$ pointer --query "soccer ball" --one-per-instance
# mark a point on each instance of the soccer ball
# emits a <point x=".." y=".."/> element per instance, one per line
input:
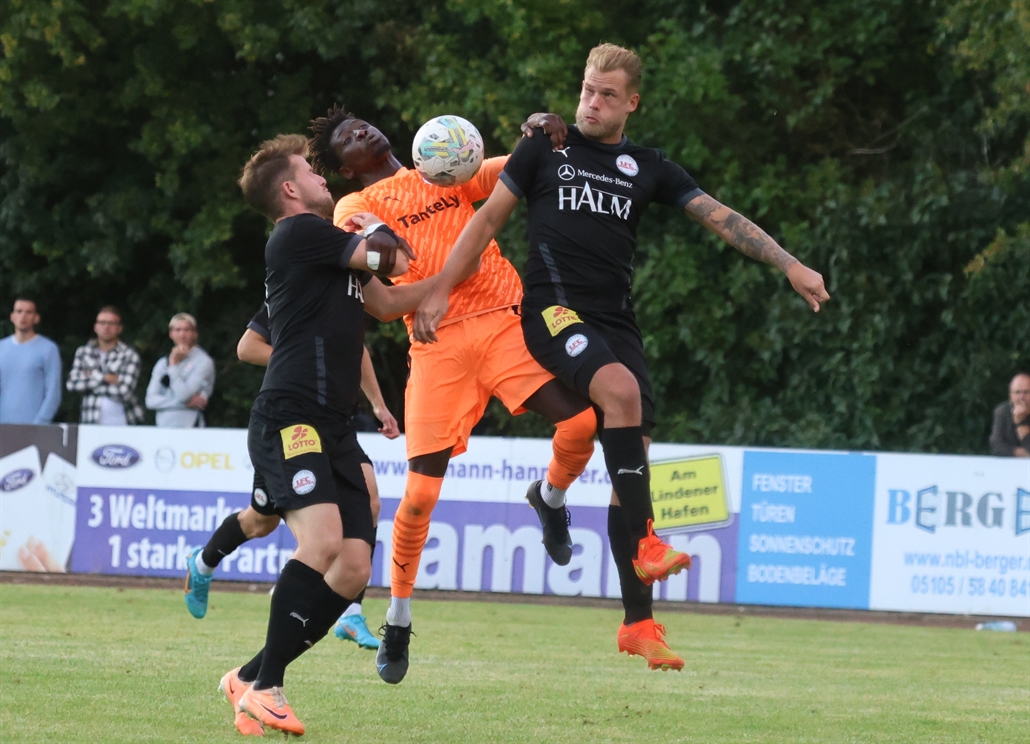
<point x="447" y="151"/>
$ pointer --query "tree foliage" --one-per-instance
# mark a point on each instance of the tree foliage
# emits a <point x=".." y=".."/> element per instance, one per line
<point x="884" y="143"/>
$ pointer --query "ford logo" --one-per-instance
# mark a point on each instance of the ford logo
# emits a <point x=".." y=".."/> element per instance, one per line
<point x="16" y="479"/>
<point x="115" y="456"/>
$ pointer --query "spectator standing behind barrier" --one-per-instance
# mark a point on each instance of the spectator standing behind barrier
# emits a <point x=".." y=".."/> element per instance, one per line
<point x="1010" y="434"/>
<point x="182" y="382"/>
<point x="30" y="370"/>
<point x="106" y="370"/>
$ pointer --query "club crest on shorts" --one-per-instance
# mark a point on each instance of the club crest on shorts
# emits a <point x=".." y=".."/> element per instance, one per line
<point x="260" y="497"/>
<point x="558" y="318"/>
<point x="303" y="482"/>
<point x="575" y="345"/>
<point x="627" y="165"/>
<point x="299" y="440"/>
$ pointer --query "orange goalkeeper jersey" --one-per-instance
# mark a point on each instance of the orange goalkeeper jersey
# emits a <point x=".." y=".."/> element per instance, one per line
<point x="431" y="218"/>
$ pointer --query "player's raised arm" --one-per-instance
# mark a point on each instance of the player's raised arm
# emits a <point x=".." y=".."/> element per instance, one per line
<point x="387" y="303"/>
<point x="754" y="242"/>
<point x="382" y="251"/>
<point x="463" y="260"/>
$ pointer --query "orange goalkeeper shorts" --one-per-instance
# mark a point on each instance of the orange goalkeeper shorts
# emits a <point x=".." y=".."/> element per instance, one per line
<point x="452" y="381"/>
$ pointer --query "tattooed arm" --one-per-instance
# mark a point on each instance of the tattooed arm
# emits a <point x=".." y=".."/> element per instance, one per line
<point x="754" y="242"/>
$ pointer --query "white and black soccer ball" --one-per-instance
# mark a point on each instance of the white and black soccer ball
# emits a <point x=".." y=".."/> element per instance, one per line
<point x="447" y="150"/>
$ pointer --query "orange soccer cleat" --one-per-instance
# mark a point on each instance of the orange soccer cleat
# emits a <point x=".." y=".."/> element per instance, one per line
<point x="232" y="689"/>
<point x="656" y="560"/>
<point x="646" y="638"/>
<point x="271" y="709"/>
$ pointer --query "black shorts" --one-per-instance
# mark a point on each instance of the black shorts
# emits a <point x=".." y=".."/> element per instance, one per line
<point x="259" y="500"/>
<point x="263" y="505"/>
<point x="574" y="345"/>
<point x="303" y="464"/>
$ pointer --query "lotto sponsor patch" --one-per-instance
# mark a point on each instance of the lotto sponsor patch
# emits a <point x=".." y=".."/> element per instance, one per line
<point x="299" y="440"/>
<point x="558" y="318"/>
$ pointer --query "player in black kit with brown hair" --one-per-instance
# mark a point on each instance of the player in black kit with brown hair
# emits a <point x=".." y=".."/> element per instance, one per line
<point x="585" y="201"/>
<point x="317" y="291"/>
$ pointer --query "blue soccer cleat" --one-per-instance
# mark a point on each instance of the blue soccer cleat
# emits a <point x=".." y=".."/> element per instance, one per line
<point x="197" y="586"/>
<point x="353" y="628"/>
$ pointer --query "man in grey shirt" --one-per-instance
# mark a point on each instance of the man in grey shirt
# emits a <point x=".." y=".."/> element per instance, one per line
<point x="182" y="382"/>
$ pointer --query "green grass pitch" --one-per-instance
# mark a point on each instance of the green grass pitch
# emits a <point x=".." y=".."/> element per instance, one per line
<point x="83" y="664"/>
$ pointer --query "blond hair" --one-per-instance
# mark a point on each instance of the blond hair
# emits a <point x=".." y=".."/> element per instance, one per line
<point x="611" y="57"/>
<point x="182" y="317"/>
<point x="267" y="169"/>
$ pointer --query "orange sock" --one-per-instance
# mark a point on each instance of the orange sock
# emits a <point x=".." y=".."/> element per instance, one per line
<point x="573" y="444"/>
<point x="410" y="530"/>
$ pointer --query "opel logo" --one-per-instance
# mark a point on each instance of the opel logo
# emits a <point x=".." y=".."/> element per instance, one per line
<point x="164" y="459"/>
<point x="566" y="172"/>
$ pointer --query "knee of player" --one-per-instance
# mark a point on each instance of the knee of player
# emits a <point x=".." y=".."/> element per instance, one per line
<point x="326" y="550"/>
<point x="623" y="401"/>
<point x="579" y="428"/>
<point x="356" y="567"/>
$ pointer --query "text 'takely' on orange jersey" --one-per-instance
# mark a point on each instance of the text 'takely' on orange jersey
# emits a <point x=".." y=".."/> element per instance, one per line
<point x="431" y="218"/>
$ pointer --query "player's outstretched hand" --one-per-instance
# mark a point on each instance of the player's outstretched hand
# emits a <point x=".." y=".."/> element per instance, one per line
<point x="387" y="244"/>
<point x="359" y="221"/>
<point x="389" y="428"/>
<point x="428" y="316"/>
<point x="808" y="284"/>
<point x="553" y="125"/>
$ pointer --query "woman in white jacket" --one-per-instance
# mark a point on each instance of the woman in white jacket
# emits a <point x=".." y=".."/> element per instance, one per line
<point x="182" y="382"/>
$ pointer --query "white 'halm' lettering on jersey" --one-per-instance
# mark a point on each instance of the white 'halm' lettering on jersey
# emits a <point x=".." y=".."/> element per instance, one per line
<point x="597" y="201"/>
<point x="354" y="288"/>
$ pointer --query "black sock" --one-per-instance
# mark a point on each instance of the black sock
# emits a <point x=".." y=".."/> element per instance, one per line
<point x="636" y="597"/>
<point x="626" y="460"/>
<point x="226" y="539"/>
<point x="294" y="604"/>
<point x="249" y="671"/>
<point x="328" y="607"/>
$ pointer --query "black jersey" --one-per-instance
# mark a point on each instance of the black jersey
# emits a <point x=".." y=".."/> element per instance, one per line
<point x="259" y="323"/>
<point x="585" y="203"/>
<point x="316" y="316"/>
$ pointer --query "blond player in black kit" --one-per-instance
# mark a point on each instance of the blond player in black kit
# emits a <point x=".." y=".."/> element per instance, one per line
<point x="317" y="290"/>
<point x="585" y="202"/>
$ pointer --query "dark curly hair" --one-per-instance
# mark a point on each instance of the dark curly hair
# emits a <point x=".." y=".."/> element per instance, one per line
<point x="320" y="146"/>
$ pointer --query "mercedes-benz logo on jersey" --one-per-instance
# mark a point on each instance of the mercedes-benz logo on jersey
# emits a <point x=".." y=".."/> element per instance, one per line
<point x="627" y="165"/>
<point x="566" y="172"/>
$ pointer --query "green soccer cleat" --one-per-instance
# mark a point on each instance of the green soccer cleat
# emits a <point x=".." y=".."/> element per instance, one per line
<point x="197" y="586"/>
<point x="353" y="628"/>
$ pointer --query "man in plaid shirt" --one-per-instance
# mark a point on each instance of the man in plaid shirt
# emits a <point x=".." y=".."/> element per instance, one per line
<point x="107" y="369"/>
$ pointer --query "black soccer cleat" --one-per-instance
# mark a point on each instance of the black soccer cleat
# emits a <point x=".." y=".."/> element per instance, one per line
<point x="555" y="522"/>
<point x="392" y="657"/>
